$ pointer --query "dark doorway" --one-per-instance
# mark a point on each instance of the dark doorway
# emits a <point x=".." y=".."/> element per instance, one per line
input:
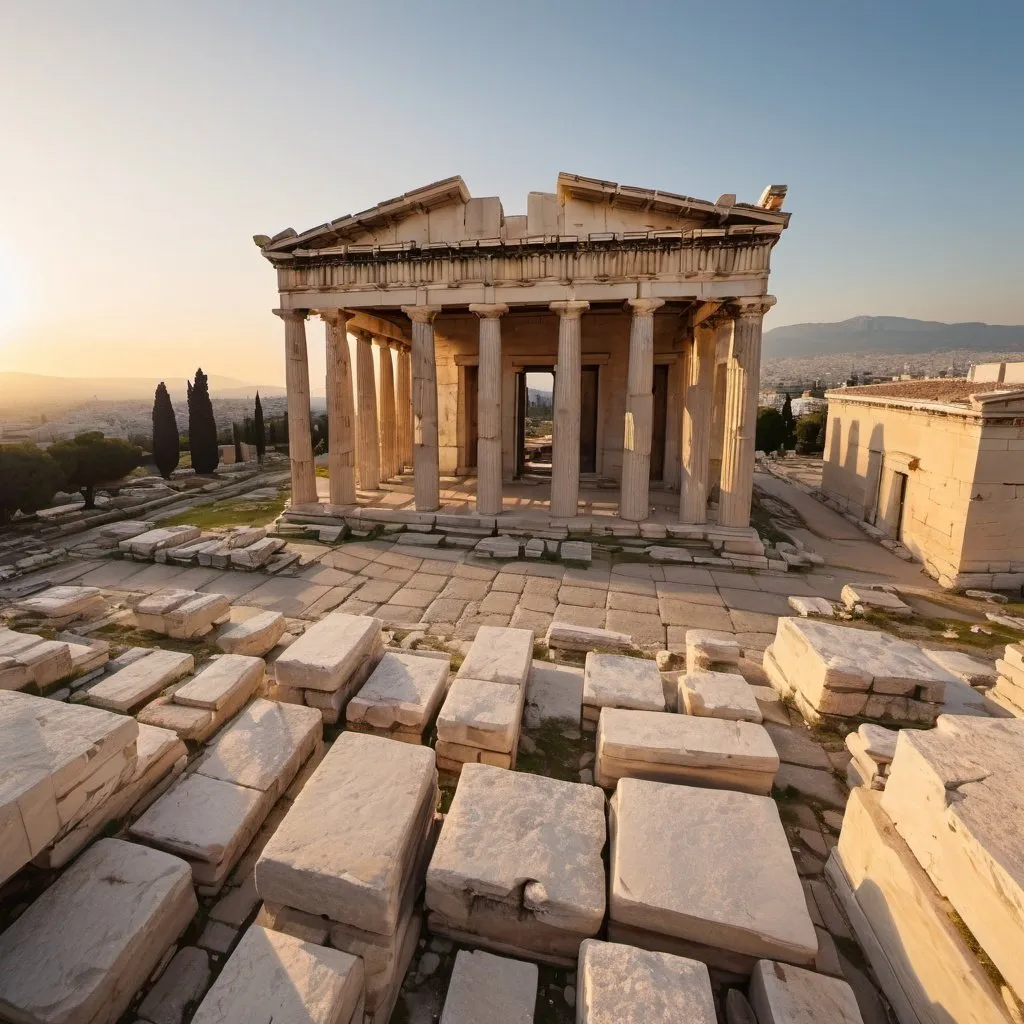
<point x="472" y="430"/>
<point x="588" y="419"/>
<point x="535" y="412"/>
<point x="660" y="421"/>
<point x="899" y="484"/>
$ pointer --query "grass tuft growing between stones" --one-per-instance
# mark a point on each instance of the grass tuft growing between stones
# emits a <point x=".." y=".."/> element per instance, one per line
<point x="231" y="512"/>
<point x="559" y="747"/>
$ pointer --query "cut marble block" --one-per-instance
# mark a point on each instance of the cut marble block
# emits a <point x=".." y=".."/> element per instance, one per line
<point x="879" y="742"/>
<point x="920" y="956"/>
<point x="264" y="747"/>
<point x="499" y="655"/>
<point x="566" y="637"/>
<point x="488" y="989"/>
<point x="705" y="873"/>
<point x="805" y="606"/>
<point x="136" y="683"/>
<point x="81" y="951"/>
<point x="614" y="681"/>
<point x="783" y="994"/>
<point x="145" y="545"/>
<point x="328" y="653"/>
<point x="518" y="865"/>
<point x="481" y="714"/>
<point x="853" y="595"/>
<point x="718" y="695"/>
<point x="63" y="604"/>
<point x="255" y="636"/>
<point x="452" y="756"/>
<point x="48" y="752"/>
<point x="707" y="647"/>
<point x="402" y="694"/>
<point x="617" y="984"/>
<point x="28" y="660"/>
<point x="258" y="554"/>
<point x="194" y="724"/>
<point x="346" y="843"/>
<point x="956" y="795"/>
<point x="863" y="770"/>
<point x="221" y="681"/>
<point x="197" y="616"/>
<point x="663" y="747"/>
<point x="833" y="670"/>
<point x="207" y="821"/>
<point x="274" y="977"/>
<point x="972" y="671"/>
<point x="160" y="759"/>
<point x="553" y="693"/>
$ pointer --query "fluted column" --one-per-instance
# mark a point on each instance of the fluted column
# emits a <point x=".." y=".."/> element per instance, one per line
<point x="565" y="430"/>
<point x="367" y="435"/>
<point x="388" y="418"/>
<point x="744" y="369"/>
<point x="488" y="417"/>
<point x="634" y="499"/>
<point x="341" y="442"/>
<point x="426" y="467"/>
<point x="696" y="439"/>
<point x="404" y="408"/>
<point x="300" y="439"/>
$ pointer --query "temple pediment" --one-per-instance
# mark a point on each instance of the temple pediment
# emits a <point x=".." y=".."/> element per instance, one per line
<point x="445" y="214"/>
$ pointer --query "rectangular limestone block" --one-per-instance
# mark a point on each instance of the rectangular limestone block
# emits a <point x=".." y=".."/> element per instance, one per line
<point x="973" y="671"/>
<point x="783" y="994"/>
<point x="499" y="655"/>
<point x="148" y="543"/>
<point x="83" y="948"/>
<point x="482" y="714"/>
<point x="553" y="693"/>
<point x="264" y="747"/>
<point x="347" y="841"/>
<point x="189" y="723"/>
<point x="460" y="753"/>
<point x="519" y="857"/>
<point x="274" y="977"/>
<point x="615" y="681"/>
<point x="725" y="695"/>
<point x="220" y="682"/>
<point x="956" y="795"/>
<point x="710" y="867"/>
<point x="138" y="682"/>
<point x="805" y="606"/>
<point x="663" y="747"/>
<point x="60" y="602"/>
<point x="404" y="690"/>
<point x="922" y="959"/>
<point x="196" y="617"/>
<point x="328" y="653"/>
<point x="853" y="595"/>
<point x="619" y="984"/>
<point x="488" y="989"/>
<point x="254" y="636"/>
<point x="565" y="636"/>
<point x="705" y="647"/>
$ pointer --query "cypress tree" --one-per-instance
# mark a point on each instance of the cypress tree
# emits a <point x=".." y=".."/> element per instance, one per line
<point x="261" y="437"/>
<point x="165" y="433"/>
<point x="202" y="427"/>
<point x="787" y="418"/>
<point x="236" y="437"/>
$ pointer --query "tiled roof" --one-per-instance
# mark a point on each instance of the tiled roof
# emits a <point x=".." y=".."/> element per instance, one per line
<point x="941" y="390"/>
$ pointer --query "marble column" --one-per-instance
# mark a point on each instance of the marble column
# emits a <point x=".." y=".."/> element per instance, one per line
<point x="341" y="442"/>
<point x="565" y="460"/>
<point x="742" y="381"/>
<point x="488" y="417"/>
<point x="404" y="372"/>
<point x="367" y="434"/>
<point x="388" y="417"/>
<point x="300" y="440"/>
<point x="425" y="464"/>
<point x="696" y="439"/>
<point x="634" y="499"/>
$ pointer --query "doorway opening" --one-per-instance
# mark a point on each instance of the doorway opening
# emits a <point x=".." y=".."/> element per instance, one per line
<point x="659" y="422"/>
<point x="535" y="396"/>
<point x="472" y="378"/>
<point x="900" y="500"/>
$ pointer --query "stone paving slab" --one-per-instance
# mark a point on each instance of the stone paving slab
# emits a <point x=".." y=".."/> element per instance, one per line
<point x="83" y="948"/>
<point x="499" y="655"/>
<point x="618" y="984"/>
<point x="254" y="636"/>
<point x="725" y="695"/>
<point x="221" y="680"/>
<point x="488" y="989"/>
<point x="404" y="690"/>
<point x="783" y="994"/>
<point x="328" y="653"/>
<point x="554" y="693"/>
<point x="346" y="843"/>
<point x="477" y="713"/>
<point x="709" y="867"/>
<point x="66" y="603"/>
<point x="616" y="681"/>
<point x="275" y="977"/>
<point x="135" y="684"/>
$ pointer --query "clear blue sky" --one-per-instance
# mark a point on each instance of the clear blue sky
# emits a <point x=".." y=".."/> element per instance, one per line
<point x="144" y="143"/>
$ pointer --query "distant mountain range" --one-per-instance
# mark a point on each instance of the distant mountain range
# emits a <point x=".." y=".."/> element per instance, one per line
<point x="888" y="334"/>
<point x="21" y="388"/>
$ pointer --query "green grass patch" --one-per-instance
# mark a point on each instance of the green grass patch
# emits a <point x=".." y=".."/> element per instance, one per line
<point x="921" y="628"/>
<point x="231" y="512"/>
<point x="559" y="748"/>
<point x="128" y="636"/>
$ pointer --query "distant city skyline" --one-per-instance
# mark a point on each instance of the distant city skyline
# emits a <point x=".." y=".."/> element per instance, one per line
<point x="146" y="144"/>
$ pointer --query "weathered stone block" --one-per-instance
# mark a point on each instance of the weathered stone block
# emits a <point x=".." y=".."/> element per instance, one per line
<point x="254" y="636"/>
<point x="220" y="681"/>
<point x="488" y="989"/>
<point x="783" y="994"/>
<point x="499" y="655"/>
<point x="404" y="691"/>
<point x="614" y="681"/>
<point x="718" y="695"/>
<point x="328" y="653"/>
<point x="136" y="683"/>
<point x="482" y="714"/>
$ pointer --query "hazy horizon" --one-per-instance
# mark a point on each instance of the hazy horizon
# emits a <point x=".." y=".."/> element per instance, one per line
<point x="147" y="145"/>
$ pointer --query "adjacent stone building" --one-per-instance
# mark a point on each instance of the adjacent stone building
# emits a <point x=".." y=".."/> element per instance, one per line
<point x="646" y="305"/>
<point x="938" y="465"/>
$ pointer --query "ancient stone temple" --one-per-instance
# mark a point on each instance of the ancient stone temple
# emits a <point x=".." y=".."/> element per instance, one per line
<point x="645" y="306"/>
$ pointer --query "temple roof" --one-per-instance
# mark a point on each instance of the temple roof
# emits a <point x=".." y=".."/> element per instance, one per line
<point x="934" y="391"/>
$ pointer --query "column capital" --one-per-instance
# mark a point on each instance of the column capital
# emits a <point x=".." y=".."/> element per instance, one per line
<point x="421" y="314"/>
<point x="644" y="307"/>
<point x="752" y="307"/>
<point x="362" y="334"/>
<point x="335" y="316"/>
<point x="291" y="314"/>
<point x="717" y="320"/>
<point x="570" y="309"/>
<point x="488" y="311"/>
